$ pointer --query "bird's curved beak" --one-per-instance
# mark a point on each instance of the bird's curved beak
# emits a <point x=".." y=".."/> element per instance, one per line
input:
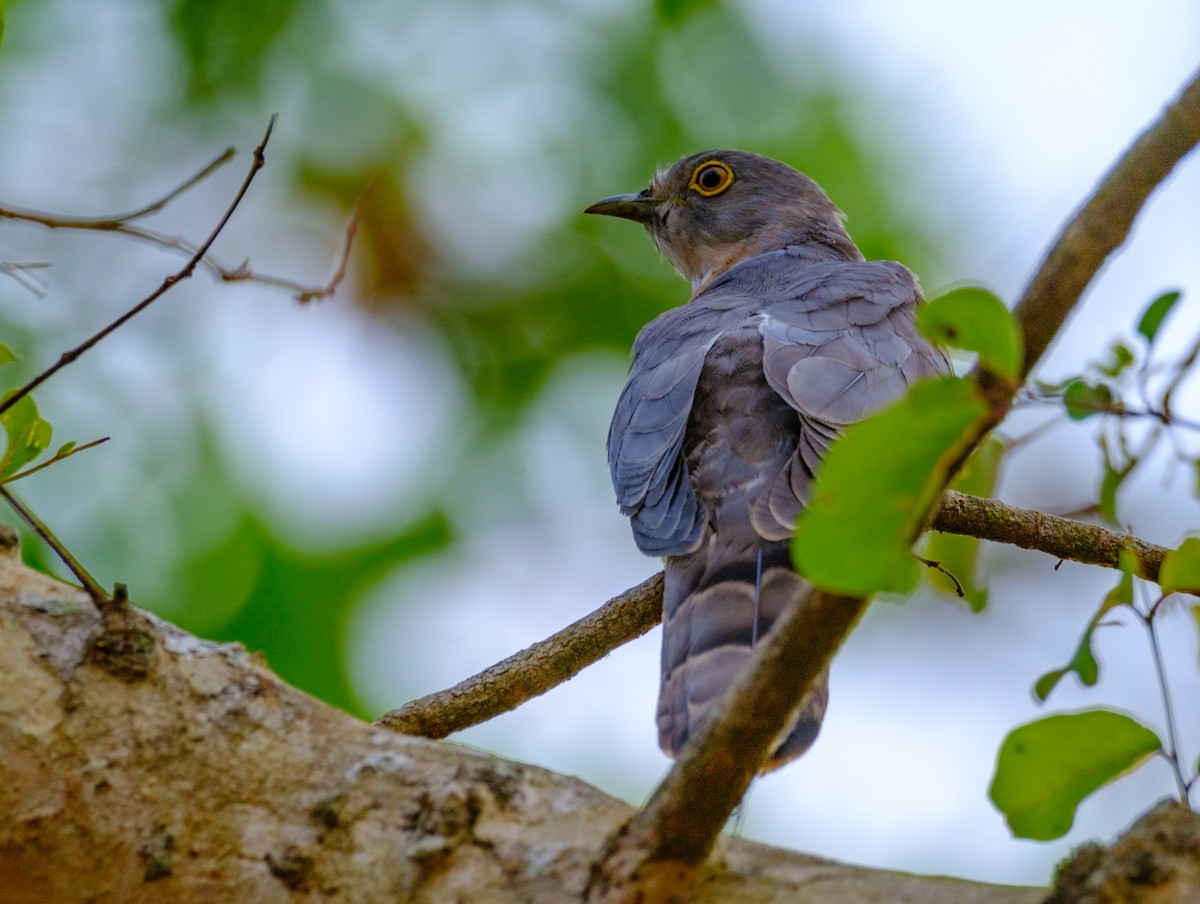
<point x="637" y="207"/>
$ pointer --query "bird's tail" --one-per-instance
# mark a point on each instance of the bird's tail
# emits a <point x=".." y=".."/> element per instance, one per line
<point x="716" y="605"/>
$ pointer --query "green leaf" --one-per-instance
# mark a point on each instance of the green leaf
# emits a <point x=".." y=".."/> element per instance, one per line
<point x="1046" y="768"/>
<point x="875" y="485"/>
<point x="1083" y="663"/>
<point x="1114" y="477"/>
<point x="65" y="449"/>
<point x="672" y="12"/>
<point x="1181" y="568"/>
<point x="1196" y="619"/>
<point x="7" y="355"/>
<point x="1050" y="388"/>
<point x="1120" y="356"/>
<point x="1083" y="399"/>
<point x="227" y="45"/>
<point x="960" y="554"/>
<point x="1115" y="474"/>
<point x="28" y="435"/>
<point x="1155" y="314"/>
<point x="975" y="320"/>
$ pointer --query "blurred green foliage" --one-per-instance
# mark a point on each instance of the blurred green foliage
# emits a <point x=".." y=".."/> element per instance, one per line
<point x="472" y="116"/>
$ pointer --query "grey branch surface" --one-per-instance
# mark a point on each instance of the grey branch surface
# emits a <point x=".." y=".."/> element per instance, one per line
<point x="546" y="664"/>
<point x="662" y="848"/>
<point x="152" y="766"/>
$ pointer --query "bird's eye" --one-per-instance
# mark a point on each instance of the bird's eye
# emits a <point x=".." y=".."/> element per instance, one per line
<point x="711" y="178"/>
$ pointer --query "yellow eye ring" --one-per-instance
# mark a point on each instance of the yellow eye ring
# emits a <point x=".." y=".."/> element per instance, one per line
<point x="711" y="178"/>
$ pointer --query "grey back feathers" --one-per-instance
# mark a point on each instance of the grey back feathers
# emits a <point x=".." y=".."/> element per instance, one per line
<point x="734" y="398"/>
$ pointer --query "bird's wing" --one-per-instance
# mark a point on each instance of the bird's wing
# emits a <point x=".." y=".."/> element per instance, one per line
<point x="839" y="342"/>
<point x="649" y="474"/>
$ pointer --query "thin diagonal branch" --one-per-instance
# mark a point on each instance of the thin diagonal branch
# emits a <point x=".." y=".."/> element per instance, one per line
<point x="54" y="459"/>
<point x="1100" y="226"/>
<point x="545" y="665"/>
<point x="534" y="670"/>
<point x="352" y="225"/>
<point x="114" y="223"/>
<point x="98" y="594"/>
<point x="174" y="279"/>
<point x="657" y="852"/>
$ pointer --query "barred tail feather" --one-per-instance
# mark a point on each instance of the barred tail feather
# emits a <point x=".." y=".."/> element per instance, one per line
<point x="708" y="635"/>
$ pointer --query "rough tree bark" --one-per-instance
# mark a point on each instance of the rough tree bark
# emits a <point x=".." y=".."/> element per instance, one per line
<point x="141" y="764"/>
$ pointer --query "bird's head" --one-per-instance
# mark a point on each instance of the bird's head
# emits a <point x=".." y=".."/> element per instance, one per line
<point x="711" y="210"/>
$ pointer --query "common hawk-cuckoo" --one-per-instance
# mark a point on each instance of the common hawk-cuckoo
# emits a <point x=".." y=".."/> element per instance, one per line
<point x="733" y="399"/>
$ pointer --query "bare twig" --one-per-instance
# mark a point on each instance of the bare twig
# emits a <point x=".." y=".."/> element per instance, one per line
<point x="943" y="570"/>
<point x="1161" y="416"/>
<point x="189" y="268"/>
<point x="1100" y="227"/>
<point x="98" y="594"/>
<point x="534" y="670"/>
<point x="114" y="223"/>
<point x="125" y="224"/>
<point x="339" y="272"/>
<point x="18" y="271"/>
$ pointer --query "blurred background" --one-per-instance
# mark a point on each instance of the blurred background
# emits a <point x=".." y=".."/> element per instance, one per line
<point x="392" y="489"/>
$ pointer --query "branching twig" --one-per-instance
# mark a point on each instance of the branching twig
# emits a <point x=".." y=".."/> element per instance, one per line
<point x="18" y="271"/>
<point x="188" y="269"/>
<point x="55" y="459"/>
<point x="125" y="224"/>
<point x="339" y="272"/>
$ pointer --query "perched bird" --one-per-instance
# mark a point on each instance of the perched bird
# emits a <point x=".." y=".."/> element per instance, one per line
<point x="732" y="400"/>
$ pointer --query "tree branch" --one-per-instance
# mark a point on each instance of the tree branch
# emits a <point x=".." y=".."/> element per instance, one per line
<point x="546" y="664"/>
<point x="204" y="778"/>
<point x="1063" y="538"/>
<point x="534" y="670"/>
<point x="658" y="853"/>
<point x="1101" y="225"/>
